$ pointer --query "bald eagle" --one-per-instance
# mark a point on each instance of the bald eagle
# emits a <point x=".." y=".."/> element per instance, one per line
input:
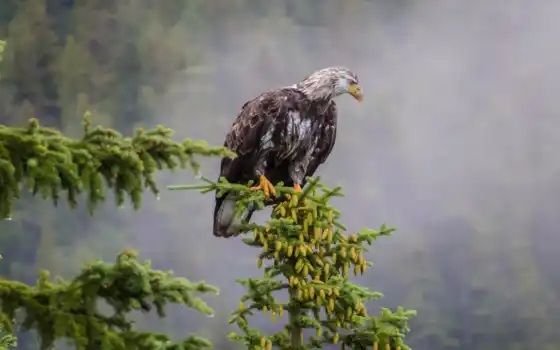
<point x="282" y="135"/>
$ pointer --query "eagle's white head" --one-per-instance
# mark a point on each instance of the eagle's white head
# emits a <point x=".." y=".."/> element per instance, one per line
<point x="331" y="82"/>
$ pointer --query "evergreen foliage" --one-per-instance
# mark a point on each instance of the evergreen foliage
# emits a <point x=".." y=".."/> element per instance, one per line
<point x="310" y="256"/>
<point x="7" y="339"/>
<point x="47" y="162"/>
<point x="122" y="60"/>
<point x="71" y="309"/>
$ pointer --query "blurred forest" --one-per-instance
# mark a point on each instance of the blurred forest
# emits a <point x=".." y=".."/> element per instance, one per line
<point x="455" y="145"/>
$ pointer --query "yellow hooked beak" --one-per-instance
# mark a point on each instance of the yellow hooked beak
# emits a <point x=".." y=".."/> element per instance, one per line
<point x="356" y="91"/>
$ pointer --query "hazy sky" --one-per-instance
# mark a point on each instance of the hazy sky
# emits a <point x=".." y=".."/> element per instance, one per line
<point x="459" y="120"/>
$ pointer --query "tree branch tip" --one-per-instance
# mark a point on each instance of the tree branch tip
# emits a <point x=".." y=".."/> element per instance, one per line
<point x="186" y="187"/>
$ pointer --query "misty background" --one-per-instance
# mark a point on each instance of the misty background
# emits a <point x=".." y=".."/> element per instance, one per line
<point x="454" y="144"/>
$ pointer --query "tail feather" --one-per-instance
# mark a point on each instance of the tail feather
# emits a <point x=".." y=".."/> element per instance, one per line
<point x="226" y="224"/>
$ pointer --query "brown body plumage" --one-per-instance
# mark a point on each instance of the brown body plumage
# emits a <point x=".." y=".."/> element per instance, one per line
<point x="281" y="135"/>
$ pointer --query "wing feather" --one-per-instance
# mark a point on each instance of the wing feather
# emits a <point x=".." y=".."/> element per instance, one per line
<point x="244" y="139"/>
<point x="258" y="129"/>
<point x="327" y="139"/>
<point x="246" y="131"/>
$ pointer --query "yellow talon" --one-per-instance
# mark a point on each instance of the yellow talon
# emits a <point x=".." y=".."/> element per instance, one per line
<point x="264" y="185"/>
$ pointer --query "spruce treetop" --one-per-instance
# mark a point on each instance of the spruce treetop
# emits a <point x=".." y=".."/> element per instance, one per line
<point x="305" y="251"/>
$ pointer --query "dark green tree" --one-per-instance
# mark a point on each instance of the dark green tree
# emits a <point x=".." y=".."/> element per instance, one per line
<point x="45" y="162"/>
<point x="7" y="338"/>
<point x="309" y="255"/>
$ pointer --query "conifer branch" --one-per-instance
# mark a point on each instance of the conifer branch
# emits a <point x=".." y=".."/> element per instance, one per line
<point x="48" y="163"/>
<point x="70" y="309"/>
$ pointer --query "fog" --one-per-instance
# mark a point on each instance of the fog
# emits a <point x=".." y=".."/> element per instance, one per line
<point x="458" y="125"/>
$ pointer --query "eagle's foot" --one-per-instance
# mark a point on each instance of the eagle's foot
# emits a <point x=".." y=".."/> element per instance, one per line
<point x="264" y="185"/>
<point x="297" y="188"/>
